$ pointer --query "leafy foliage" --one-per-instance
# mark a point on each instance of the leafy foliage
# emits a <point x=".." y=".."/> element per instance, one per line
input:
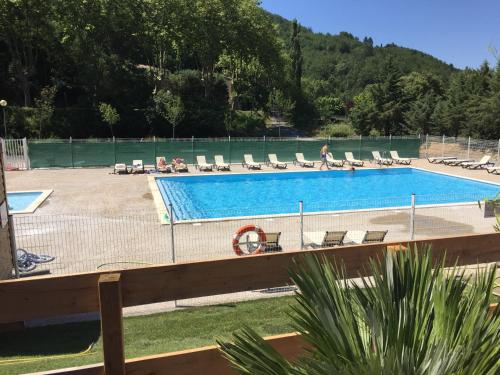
<point x="409" y="318"/>
<point x="109" y="115"/>
<point x="218" y="57"/>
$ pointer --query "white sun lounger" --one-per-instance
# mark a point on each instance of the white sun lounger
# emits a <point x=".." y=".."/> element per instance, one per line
<point x="494" y="170"/>
<point x="137" y="166"/>
<point x="202" y="164"/>
<point x="483" y="163"/>
<point x="120" y="168"/>
<point x="275" y="163"/>
<point x="333" y="162"/>
<point x="399" y="160"/>
<point x="440" y="159"/>
<point x="249" y="163"/>
<point x="350" y="160"/>
<point x="220" y="164"/>
<point x="300" y="160"/>
<point x="380" y="160"/>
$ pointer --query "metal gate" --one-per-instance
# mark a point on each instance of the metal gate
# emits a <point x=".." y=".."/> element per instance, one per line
<point x="15" y="154"/>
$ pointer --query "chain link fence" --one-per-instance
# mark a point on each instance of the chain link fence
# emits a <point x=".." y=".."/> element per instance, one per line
<point x="462" y="148"/>
<point x="106" y="152"/>
<point x="88" y="241"/>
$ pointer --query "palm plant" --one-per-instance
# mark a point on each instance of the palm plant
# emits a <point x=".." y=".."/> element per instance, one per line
<point x="411" y="317"/>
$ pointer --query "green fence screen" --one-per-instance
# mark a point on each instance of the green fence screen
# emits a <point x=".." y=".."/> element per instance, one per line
<point x="96" y="153"/>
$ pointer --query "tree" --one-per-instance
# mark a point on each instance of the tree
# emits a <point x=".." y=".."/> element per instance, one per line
<point x="45" y="107"/>
<point x="411" y="317"/>
<point x="329" y="106"/>
<point x="109" y="115"/>
<point x="296" y="55"/>
<point x="170" y="107"/>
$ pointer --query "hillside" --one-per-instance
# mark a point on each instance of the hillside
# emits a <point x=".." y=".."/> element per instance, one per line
<point x="349" y="64"/>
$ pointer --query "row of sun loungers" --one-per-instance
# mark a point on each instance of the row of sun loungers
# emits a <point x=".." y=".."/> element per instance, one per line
<point x="484" y="163"/>
<point x="248" y="162"/>
<point x="318" y="240"/>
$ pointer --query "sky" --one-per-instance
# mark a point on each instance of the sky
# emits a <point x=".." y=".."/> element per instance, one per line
<point x="460" y="32"/>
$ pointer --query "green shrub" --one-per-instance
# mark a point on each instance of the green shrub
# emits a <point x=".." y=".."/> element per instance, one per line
<point x="341" y="129"/>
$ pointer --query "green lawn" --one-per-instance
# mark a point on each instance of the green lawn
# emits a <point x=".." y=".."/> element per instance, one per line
<point x="146" y="335"/>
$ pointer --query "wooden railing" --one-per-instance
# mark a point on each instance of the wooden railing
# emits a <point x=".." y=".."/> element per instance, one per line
<point x="108" y="292"/>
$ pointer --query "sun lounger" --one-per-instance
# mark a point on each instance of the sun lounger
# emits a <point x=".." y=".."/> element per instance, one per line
<point x="330" y="239"/>
<point x="399" y="160"/>
<point x="483" y="163"/>
<point x="350" y="160"/>
<point x="249" y="163"/>
<point x="440" y="159"/>
<point x="333" y="162"/>
<point x="380" y="160"/>
<point x="137" y="166"/>
<point x="300" y="160"/>
<point x="161" y="164"/>
<point x="272" y="242"/>
<point x="274" y="162"/>
<point x="120" y="168"/>
<point x="372" y="236"/>
<point x="219" y="163"/>
<point x="494" y="170"/>
<point x="456" y="162"/>
<point x="202" y="164"/>
<point x="148" y="168"/>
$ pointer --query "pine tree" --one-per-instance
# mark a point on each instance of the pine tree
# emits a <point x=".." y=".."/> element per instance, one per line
<point x="296" y="56"/>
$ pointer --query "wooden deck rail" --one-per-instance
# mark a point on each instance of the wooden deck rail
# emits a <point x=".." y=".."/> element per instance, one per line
<point x="78" y="293"/>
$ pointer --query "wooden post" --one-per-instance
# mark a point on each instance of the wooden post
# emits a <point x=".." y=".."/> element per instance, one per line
<point x="110" y="304"/>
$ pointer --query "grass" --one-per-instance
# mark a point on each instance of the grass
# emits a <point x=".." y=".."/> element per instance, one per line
<point x="145" y="335"/>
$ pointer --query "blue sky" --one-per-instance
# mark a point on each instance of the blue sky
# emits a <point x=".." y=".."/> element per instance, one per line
<point x="459" y="32"/>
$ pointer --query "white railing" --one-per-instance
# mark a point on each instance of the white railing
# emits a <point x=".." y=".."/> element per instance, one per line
<point x="15" y="154"/>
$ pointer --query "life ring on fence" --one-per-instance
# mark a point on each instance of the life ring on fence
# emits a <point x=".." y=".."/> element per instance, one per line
<point x="245" y="229"/>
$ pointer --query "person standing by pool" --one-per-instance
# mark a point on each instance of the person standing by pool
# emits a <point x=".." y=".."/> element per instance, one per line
<point x="323" y="153"/>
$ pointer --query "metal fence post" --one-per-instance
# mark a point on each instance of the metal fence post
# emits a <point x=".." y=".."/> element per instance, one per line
<point x="114" y="148"/>
<point x="301" y="211"/>
<point x="297" y="146"/>
<point x="26" y="154"/>
<point x="229" y="140"/>
<point x="71" y="149"/>
<point x="442" y="147"/>
<point x="468" y="148"/>
<point x="498" y="150"/>
<point x="172" y="241"/>
<point x="154" y="150"/>
<point x="264" y="150"/>
<point x="359" y="146"/>
<point x="426" y="146"/>
<point x="13" y="245"/>
<point x="172" y="223"/>
<point x="192" y="148"/>
<point x="412" y="217"/>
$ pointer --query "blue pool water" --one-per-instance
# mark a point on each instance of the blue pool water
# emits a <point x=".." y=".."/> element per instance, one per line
<point x="231" y="195"/>
<point x="21" y="201"/>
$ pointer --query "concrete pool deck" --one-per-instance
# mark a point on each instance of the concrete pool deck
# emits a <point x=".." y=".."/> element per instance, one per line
<point x="99" y="190"/>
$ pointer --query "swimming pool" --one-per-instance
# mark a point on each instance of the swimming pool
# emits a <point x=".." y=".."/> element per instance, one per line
<point x="26" y="201"/>
<point x="254" y="194"/>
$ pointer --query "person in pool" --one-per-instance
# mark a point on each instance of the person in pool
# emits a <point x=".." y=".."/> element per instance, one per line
<point x="323" y="153"/>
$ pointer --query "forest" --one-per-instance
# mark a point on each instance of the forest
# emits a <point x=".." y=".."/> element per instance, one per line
<point x="212" y="68"/>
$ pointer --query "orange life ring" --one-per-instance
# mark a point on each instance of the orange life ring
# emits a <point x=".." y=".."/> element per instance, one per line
<point x="249" y="228"/>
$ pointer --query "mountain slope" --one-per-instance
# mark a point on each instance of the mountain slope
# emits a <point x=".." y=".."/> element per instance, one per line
<point x="349" y="64"/>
